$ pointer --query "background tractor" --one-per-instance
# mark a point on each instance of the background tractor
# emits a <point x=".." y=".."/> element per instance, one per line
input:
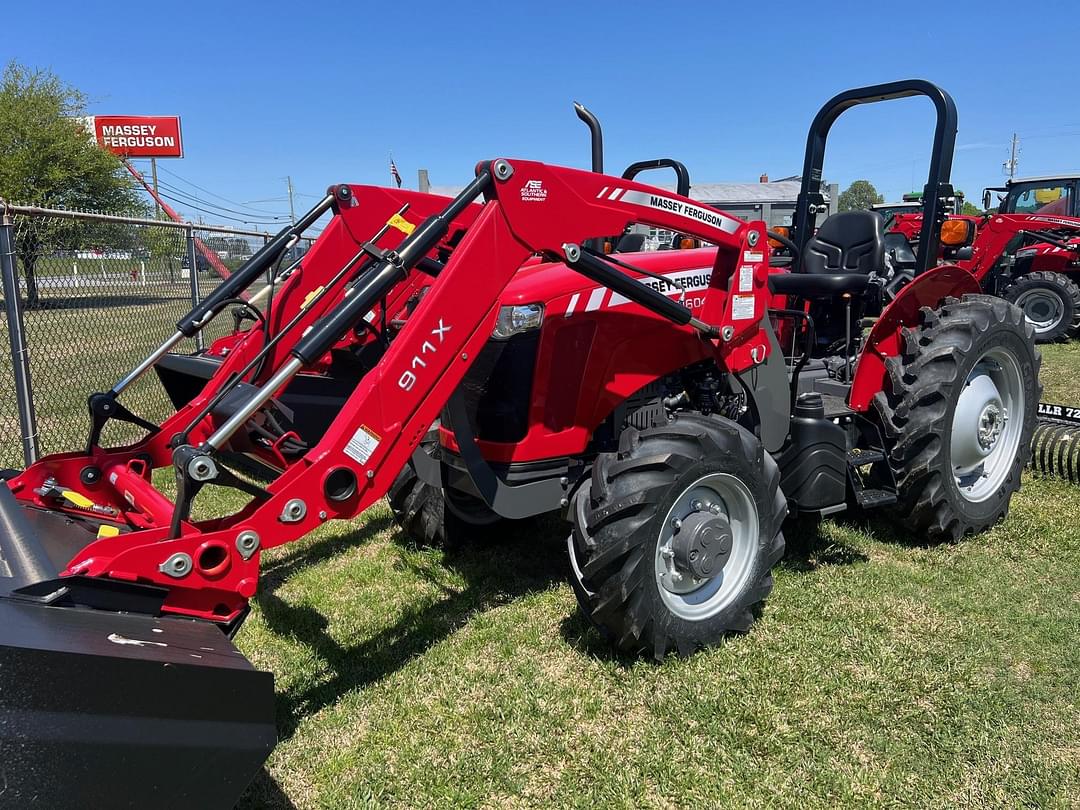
<point x="1028" y="251"/>
<point x="675" y="406"/>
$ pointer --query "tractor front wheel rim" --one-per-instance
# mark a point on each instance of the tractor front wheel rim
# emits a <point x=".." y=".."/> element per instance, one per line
<point x="987" y="425"/>
<point x="706" y="548"/>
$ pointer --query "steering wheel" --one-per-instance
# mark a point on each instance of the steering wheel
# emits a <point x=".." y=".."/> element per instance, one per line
<point x="796" y="256"/>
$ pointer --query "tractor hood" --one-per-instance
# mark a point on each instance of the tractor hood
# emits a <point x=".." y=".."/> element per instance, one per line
<point x="552" y="283"/>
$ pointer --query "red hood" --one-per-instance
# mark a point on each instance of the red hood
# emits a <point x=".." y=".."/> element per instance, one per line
<point x="546" y="281"/>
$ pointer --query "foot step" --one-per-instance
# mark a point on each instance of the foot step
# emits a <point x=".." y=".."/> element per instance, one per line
<point x="860" y="458"/>
<point x="873" y="498"/>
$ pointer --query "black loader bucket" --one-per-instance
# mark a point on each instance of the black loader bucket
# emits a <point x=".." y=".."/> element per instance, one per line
<point x="108" y="709"/>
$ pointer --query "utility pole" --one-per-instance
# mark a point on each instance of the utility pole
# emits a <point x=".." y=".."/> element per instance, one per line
<point x="153" y="174"/>
<point x="1010" y="164"/>
<point x="292" y="212"/>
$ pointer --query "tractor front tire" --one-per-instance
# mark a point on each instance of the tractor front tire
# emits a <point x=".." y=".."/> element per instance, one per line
<point x="418" y="508"/>
<point x="675" y="536"/>
<point x="958" y="415"/>
<point x="423" y="513"/>
<point x="1051" y="303"/>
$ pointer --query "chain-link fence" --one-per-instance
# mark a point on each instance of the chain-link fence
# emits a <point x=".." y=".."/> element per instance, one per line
<point x="95" y="295"/>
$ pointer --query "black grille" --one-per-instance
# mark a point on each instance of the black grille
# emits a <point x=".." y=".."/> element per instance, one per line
<point x="498" y="388"/>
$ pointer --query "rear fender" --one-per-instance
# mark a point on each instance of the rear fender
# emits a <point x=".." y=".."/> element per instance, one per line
<point x="886" y="340"/>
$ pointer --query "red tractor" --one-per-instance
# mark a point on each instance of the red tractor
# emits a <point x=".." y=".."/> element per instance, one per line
<point x="675" y="406"/>
<point x="1028" y="251"/>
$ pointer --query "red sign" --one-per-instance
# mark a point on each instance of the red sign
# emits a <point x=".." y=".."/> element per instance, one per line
<point x="139" y="135"/>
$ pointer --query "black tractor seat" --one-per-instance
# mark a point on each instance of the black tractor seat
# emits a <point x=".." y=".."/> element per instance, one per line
<point x="818" y="285"/>
<point x="838" y="259"/>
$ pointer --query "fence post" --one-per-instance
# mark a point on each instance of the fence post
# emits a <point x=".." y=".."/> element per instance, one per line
<point x="193" y="277"/>
<point x="20" y="358"/>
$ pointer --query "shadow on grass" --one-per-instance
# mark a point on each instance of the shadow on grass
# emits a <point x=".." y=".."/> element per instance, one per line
<point x="808" y="548"/>
<point x="526" y="559"/>
<point x="263" y="792"/>
<point x="103" y="301"/>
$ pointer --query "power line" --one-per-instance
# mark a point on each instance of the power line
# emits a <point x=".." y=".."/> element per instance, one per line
<point x="264" y="216"/>
<point x="211" y="193"/>
<point x="218" y="214"/>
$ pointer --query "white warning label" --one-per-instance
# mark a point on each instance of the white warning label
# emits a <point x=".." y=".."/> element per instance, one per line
<point x="751" y="256"/>
<point x="746" y="278"/>
<point x="363" y="443"/>
<point x="742" y="307"/>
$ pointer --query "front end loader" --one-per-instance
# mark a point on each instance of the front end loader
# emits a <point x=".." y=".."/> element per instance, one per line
<point x="680" y="405"/>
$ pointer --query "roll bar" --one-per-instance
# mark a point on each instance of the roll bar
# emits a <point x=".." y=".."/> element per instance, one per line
<point x="938" y="185"/>
<point x="682" y="176"/>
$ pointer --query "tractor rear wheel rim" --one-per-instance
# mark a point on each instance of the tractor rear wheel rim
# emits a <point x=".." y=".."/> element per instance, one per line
<point x="987" y="425"/>
<point x="735" y="527"/>
<point x="1042" y="308"/>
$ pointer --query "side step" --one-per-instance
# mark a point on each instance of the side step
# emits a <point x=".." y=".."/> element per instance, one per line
<point x="867" y="497"/>
<point x="873" y="498"/>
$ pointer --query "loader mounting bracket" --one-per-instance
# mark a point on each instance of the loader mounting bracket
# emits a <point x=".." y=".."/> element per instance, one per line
<point x="195" y="468"/>
<point x="104" y="407"/>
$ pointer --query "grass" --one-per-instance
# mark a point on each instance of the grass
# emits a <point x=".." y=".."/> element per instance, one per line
<point x="882" y="673"/>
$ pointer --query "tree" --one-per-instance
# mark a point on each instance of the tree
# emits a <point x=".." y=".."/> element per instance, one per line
<point x="47" y="159"/>
<point x="858" y="196"/>
<point x="970" y="209"/>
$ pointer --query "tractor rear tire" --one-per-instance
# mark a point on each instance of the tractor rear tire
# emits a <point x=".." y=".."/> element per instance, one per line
<point x="675" y="536"/>
<point x="958" y="415"/>
<point x="423" y="513"/>
<point x="1051" y="303"/>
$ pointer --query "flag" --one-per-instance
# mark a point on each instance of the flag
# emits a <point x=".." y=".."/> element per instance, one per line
<point x="394" y="174"/>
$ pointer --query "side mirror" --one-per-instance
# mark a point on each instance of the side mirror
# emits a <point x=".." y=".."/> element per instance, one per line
<point x="986" y="199"/>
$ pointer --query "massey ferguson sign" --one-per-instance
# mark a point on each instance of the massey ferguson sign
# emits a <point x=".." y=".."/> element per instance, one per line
<point x="139" y="136"/>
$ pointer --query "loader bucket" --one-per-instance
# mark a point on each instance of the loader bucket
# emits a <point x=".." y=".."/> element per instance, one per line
<point x="118" y="709"/>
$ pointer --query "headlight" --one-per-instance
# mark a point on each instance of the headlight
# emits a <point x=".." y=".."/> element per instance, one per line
<point x="514" y="320"/>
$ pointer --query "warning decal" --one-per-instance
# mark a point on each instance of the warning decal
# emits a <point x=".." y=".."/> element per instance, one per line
<point x="746" y="278"/>
<point x="362" y="445"/>
<point x="742" y="307"/>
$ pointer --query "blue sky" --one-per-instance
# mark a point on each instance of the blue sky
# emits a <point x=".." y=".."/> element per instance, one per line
<point x="324" y="91"/>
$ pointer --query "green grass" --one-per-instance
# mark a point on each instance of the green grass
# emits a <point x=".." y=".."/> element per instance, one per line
<point x="882" y="673"/>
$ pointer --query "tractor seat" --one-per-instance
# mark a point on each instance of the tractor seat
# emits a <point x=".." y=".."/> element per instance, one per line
<point x="806" y="285"/>
<point x="848" y="242"/>
<point x="838" y="259"/>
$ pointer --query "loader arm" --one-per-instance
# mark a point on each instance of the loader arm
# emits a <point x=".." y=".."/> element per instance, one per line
<point x="999" y="230"/>
<point x="209" y="569"/>
<point x="309" y="290"/>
